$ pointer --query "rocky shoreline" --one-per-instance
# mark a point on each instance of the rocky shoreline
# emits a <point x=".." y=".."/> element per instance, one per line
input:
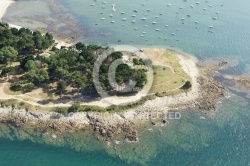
<point x="113" y="127"/>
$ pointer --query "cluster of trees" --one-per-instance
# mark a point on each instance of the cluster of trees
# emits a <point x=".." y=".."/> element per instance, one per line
<point x="72" y="66"/>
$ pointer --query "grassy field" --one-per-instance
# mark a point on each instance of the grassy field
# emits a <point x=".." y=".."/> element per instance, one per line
<point x="168" y="74"/>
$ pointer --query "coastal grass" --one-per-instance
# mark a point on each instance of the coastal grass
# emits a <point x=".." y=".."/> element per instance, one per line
<point x="169" y="75"/>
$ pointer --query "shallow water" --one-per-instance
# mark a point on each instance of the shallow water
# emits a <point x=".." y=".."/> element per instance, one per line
<point x="221" y="139"/>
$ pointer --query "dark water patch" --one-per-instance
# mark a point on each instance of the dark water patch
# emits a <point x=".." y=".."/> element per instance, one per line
<point x="237" y="70"/>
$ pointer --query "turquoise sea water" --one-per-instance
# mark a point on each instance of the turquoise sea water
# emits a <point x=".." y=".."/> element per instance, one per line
<point x="221" y="139"/>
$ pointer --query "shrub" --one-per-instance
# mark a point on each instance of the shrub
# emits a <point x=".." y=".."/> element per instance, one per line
<point x="28" y="87"/>
<point x="9" y="70"/>
<point x="62" y="110"/>
<point x="76" y="107"/>
<point x="187" y="85"/>
<point x="15" y="87"/>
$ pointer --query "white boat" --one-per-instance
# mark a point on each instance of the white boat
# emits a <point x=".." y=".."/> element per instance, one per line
<point x="133" y="21"/>
<point x="145" y="25"/>
<point x="204" y="9"/>
<point x="210" y="6"/>
<point x="135" y="28"/>
<point x="196" y="22"/>
<point x="217" y="12"/>
<point x="148" y="10"/>
<point x="144" y="32"/>
<point x="92" y="4"/>
<point x="172" y="34"/>
<point x="122" y="12"/>
<point x="166" y="25"/>
<point x="157" y="29"/>
<point x="211" y="26"/>
<point x="168" y="4"/>
<point x="197" y="3"/>
<point x="124" y="19"/>
<point x="111" y="15"/>
<point x="104" y="2"/>
<point x="103" y="18"/>
<point x="141" y="35"/>
<point x="192" y="6"/>
<point x="154" y="22"/>
<point x="112" y="21"/>
<point x="143" y="18"/>
<point x="182" y="18"/>
<point x="156" y="16"/>
<point x="133" y="15"/>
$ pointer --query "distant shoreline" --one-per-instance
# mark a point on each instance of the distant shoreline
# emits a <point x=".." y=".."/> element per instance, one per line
<point x="4" y="4"/>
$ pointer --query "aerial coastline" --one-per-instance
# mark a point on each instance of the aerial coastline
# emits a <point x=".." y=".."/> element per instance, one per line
<point x="160" y="105"/>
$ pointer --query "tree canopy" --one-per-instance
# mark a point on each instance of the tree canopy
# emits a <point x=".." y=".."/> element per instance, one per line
<point x="66" y="67"/>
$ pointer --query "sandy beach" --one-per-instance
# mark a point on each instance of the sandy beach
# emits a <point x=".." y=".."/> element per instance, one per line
<point x="4" y="4"/>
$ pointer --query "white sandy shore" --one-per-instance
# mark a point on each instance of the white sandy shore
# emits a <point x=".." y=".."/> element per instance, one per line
<point x="4" y="4"/>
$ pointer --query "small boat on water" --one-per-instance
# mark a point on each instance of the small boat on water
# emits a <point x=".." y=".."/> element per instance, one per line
<point x="145" y="25"/>
<point x="103" y="18"/>
<point x="172" y="34"/>
<point x="144" y="32"/>
<point x="169" y="4"/>
<point x="197" y="3"/>
<point x="192" y="6"/>
<point x="135" y="28"/>
<point x="157" y="30"/>
<point x="133" y="21"/>
<point x="135" y="11"/>
<point x="122" y="12"/>
<point x="211" y="26"/>
<point x="133" y="15"/>
<point x="154" y="22"/>
<point x="143" y="18"/>
<point x="182" y="18"/>
<point x="188" y="15"/>
<point x="204" y="9"/>
<point x="217" y="12"/>
<point x="104" y="2"/>
<point x="124" y="19"/>
<point x="111" y="15"/>
<point x="112" y="21"/>
<point x="166" y="25"/>
<point x="210" y="6"/>
<point x="92" y="4"/>
<point x="141" y="35"/>
<point x="156" y="16"/>
<point x="196" y="22"/>
<point x="214" y="18"/>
